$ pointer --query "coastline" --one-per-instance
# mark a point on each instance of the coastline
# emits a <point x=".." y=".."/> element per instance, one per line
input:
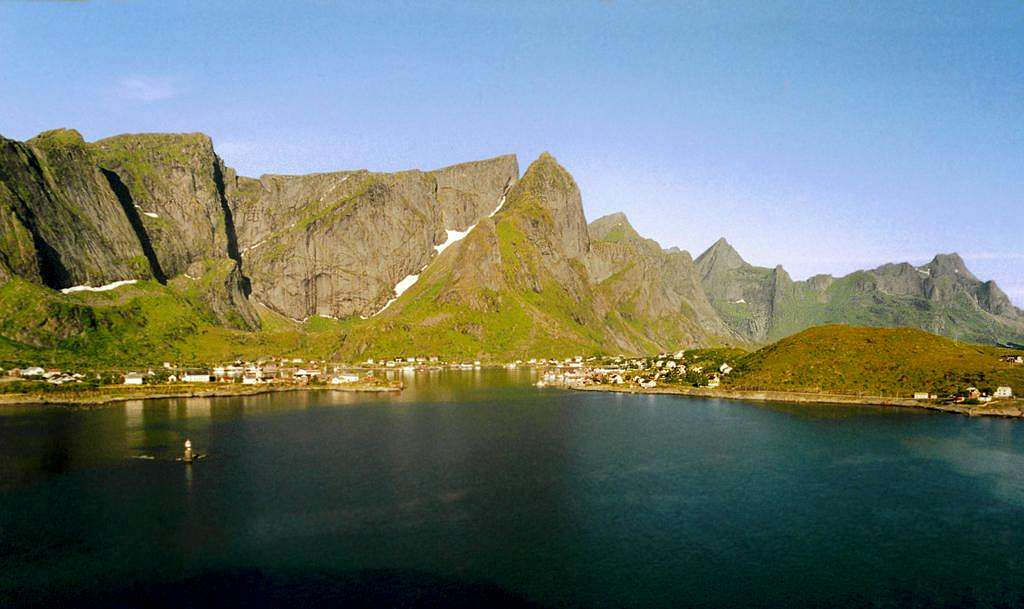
<point x="118" y="393"/>
<point x="1009" y="409"/>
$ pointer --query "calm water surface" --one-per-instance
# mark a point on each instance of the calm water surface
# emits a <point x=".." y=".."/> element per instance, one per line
<point x="475" y="488"/>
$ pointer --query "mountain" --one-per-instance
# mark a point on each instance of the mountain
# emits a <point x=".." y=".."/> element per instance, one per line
<point x="163" y="206"/>
<point x="893" y="361"/>
<point x="658" y="287"/>
<point x="942" y="297"/>
<point x="337" y="244"/>
<point x="133" y="207"/>
<point x="535" y="280"/>
<point x="144" y="247"/>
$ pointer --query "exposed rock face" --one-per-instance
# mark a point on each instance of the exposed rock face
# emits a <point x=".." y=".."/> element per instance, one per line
<point x="174" y="182"/>
<point x="129" y="207"/>
<point x="492" y="264"/>
<point x="469" y="191"/>
<point x="62" y="225"/>
<point x="659" y="289"/>
<point x="337" y="244"/>
<point x="942" y="297"/>
<point x="535" y="280"/>
<point x="556" y="191"/>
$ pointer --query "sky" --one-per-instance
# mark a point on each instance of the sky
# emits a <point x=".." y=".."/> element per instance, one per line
<point x="825" y="137"/>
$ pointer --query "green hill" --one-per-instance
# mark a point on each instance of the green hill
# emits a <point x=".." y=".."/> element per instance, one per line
<point x="890" y="361"/>
<point x="145" y="324"/>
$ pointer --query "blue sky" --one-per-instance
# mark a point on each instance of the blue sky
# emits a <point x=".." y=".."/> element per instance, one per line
<point x="821" y="138"/>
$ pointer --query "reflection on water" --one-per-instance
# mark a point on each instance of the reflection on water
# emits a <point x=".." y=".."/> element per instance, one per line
<point x="477" y="488"/>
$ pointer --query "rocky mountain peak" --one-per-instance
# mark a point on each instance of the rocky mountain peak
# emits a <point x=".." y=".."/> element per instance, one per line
<point x="949" y="264"/>
<point x="613" y="228"/>
<point x="721" y="256"/>
<point x="547" y="190"/>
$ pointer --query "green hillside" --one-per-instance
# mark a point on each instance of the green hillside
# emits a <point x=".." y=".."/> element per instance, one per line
<point x="143" y="324"/>
<point x="891" y="361"/>
<point x="507" y="290"/>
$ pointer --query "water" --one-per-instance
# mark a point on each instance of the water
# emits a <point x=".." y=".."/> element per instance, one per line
<point x="475" y="488"/>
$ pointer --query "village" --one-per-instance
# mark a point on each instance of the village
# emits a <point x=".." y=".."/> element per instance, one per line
<point x="705" y="369"/>
<point x="701" y="368"/>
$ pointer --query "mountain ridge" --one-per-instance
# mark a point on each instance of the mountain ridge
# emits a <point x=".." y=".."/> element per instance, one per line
<point x="493" y="261"/>
<point x="941" y="296"/>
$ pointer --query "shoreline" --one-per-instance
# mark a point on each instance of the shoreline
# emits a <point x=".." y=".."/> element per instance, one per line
<point x="101" y="397"/>
<point x="1007" y="409"/>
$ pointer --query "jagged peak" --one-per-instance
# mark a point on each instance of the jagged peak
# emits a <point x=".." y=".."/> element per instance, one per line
<point x="612" y="227"/>
<point x="949" y="264"/>
<point x="546" y="172"/>
<point x="547" y="189"/>
<point x="721" y="255"/>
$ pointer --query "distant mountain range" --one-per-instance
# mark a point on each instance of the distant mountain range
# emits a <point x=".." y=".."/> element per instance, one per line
<point x="472" y="260"/>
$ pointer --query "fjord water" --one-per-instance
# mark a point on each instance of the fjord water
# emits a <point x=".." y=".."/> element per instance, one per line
<point x="476" y="488"/>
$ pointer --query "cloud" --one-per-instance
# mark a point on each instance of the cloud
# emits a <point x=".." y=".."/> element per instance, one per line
<point x="147" y="88"/>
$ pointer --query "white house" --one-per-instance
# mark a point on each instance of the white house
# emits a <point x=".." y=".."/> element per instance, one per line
<point x="133" y="378"/>
<point x="342" y="379"/>
<point x="32" y="371"/>
<point x="922" y="395"/>
<point x="714" y="382"/>
<point x="725" y="368"/>
<point x="196" y="377"/>
<point x="1003" y="392"/>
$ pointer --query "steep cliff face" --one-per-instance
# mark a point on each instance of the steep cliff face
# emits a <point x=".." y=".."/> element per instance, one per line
<point x="63" y="225"/>
<point x="338" y="244"/>
<point x="658" y="290"/>
<point x="508" y="287"/>
<point x="942" y="296"/>
<point x="175" y="185"/>
<point x="129" y="207"/>
<point x="464" y="261"/>
<point x="534" y="281"/>
<point x="470" y="191"/>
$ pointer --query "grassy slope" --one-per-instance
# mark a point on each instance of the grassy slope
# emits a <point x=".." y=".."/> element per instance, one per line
<point x="506" y="292"/>
<point x="143" y="324"/>
<point x="899" y="361"/>
<point x="489" y="296"/>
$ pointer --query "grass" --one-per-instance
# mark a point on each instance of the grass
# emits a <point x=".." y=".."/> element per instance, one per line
<point x="142" y="325"/>
<point x="876" y="361"/>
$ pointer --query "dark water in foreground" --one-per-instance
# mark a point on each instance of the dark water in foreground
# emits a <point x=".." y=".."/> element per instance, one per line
<point x="476" y="489"/>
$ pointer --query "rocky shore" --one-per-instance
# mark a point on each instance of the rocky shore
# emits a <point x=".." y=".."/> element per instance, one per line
<point x="117" y="393"/>
<point x="1003" y="408"/>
